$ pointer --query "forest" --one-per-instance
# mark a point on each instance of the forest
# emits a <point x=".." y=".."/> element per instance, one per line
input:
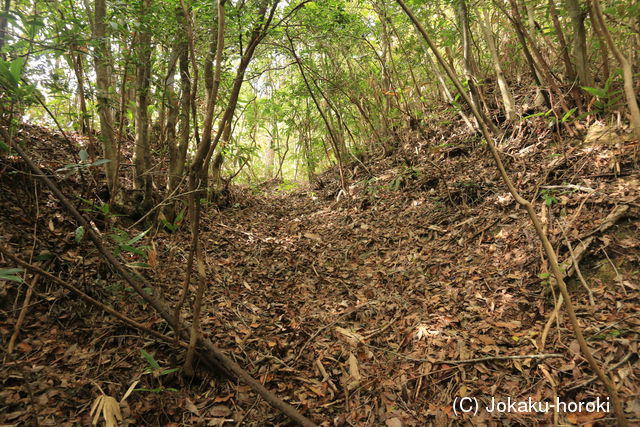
<point x="319" y="212"/>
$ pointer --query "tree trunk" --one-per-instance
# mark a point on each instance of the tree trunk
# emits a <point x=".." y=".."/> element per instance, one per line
<point x="102" y="58"/>
<point x="169" y="134"/>
<point x="78" y="69"/>
<point x="564" y="49"/>
<point x="3" y="23"/>
<point x="579" y="42"/>
<point x="325" y="119"/>
<point x="469" y="64"/>
<point x="142" y="154"/>
<point x="223" y="135"/>
<point x="505" y="91"/>
<point x="602" y="42"/>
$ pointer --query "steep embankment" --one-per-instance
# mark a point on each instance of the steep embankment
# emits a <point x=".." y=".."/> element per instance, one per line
<point x="356" y="309"/>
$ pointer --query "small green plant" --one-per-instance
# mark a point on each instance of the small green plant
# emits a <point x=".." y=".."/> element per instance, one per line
<point x="544" y="277"/>
<point x="84" y="163"/>
<point x="369" y="186"/>
<point x="157" y="371"/>
<point x="9" y="274"/>
<point x="177" y="222"/>
<point x="128" y="244"/>
<point x="407" y="173"/>
<point x="99" y="208"/>
<point x="548" y="197"/>
<point x="606" y="98"/>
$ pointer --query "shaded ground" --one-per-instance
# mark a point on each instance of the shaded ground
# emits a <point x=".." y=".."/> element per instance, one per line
<point x="353" y="309"/>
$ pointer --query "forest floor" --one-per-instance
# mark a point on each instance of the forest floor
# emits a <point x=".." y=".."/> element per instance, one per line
<point x="356" y="309"/>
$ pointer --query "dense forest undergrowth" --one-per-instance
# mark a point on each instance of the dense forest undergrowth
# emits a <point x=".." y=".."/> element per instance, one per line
<point x="355" y="309"/>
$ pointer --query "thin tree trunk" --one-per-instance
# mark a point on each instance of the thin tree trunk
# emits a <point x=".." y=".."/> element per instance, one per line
<point x="602" y="42"/>
<point x="76" y="60"/>
<point x="468" y="62"/>
<point x="577" y="16"/>
<point x="330" y="129"/>
<point x="169" y="131"/>
<point x="4" y="23"/>
<point x="223" y="135"/>
<point x="564" y="49"/>
<point x="142" y="152"/>
<point x="627" y="69"/>
<point x="102" y="58"/>
<point x="505" y="91"/>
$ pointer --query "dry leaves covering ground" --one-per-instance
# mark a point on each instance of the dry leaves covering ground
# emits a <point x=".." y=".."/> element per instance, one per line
<point x="357" y="310"/>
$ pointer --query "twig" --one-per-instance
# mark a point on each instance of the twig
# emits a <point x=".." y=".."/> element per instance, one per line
<point x="328" y="325"/>
<point x="569" y="187"/>
<point x="22" y="315"/>
<point x="592" y="379"/>
<point x="618" y="276"/>
<point x="577" y="267"/>
<point x="547" y="326"/>
<point x="246" y="414"/>
<point x="569" y="267"/>
<point x="491" y="358"/>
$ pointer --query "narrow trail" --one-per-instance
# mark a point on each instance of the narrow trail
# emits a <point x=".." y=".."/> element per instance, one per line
<point x="358" y="309"/>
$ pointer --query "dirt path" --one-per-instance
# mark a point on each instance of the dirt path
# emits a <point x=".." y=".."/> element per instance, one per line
<point x="354" y="310"/>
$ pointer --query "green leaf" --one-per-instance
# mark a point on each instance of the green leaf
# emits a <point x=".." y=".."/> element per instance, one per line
<point x="169" y="371"/>
<point x="9" y="274"/>
<point x="568" y="114"/>
<point x="84" y="155"/>
<point x="150" y="360"/>
<point x="100" y="162"/>
<point x="542" y="113"/>
<point x="138" y="237"/>
<point x="6" y="77"/>
<point x="139" y="265"/>
<point x="79" y="234"/>
<point x="131" y="249"/>
<point x="600" y="93"/>
<point x="45" y="256"/>
<point x="16" y="67"/>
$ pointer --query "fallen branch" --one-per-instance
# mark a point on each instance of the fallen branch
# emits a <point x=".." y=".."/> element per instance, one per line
<point x="568" y="187"/>
<point x="23" y="314"/>
<point x="593" y="378"/>
<point x="576" y="267"/>
<point x="43" y="273"/>
<point x="214" y="355"/>
<point x="493" y="358"/>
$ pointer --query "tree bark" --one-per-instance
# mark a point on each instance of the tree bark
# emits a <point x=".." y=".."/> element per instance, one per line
<point x="142" y="152"/>
<point x="505" y="91"/>
<point x="102" y="58"/>
<point x="3" y="23"/>
<point x="577" y="16"/>
<point x="564" y="49"/>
